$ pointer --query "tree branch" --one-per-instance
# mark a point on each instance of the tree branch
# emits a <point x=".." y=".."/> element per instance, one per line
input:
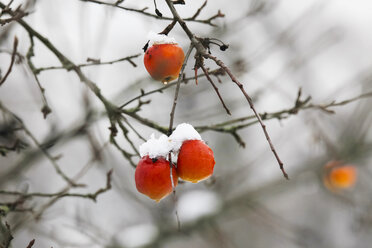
<point x="95" y="62"/>
<point x="144" y="12"/>
<point x="91" y="196"/>
<point x="12" y="61"/>
<point x="201" y="50"/>
<point x="170" y="128"/>
<point x="216" y="89"/>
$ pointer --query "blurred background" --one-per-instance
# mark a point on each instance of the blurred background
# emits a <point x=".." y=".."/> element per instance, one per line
<point x="276" y="48"/>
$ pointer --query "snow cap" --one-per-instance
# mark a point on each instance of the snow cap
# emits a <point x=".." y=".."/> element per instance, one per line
<point x="160" y="147"/>
<point x="160" y="39"/>
<point x="183" y="132"/>
<point x="155" y="147"/>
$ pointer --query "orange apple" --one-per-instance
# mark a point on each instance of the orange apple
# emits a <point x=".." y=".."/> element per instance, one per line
<point x="153" y="179"/>
<point x="339" y="176"/>
<point x="164" y="61"/>
<point x="195" y="161"/>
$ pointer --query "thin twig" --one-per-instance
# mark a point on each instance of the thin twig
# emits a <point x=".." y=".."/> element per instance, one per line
<point x="300" y="105"/>
<point x="201" y="50"/>
<point x="96" y="63"/>
<point x="241" y="87"/>
<point x="199" y="10"/>
<point x="32" y="242"/>
<point x="126" y="154"/>
<point x="145" y="121"/>
<point x="171" y="127"/>
<point x="125" y="132"/>
<point x="37" y="143"/>
<point x="134" y="130"/>
<point x="77" y="176"/>
<point x="191" y="47"/>
<point x="112" y="111"/>
<point x="92" y="196"/>
<point x="32" y="155"/>
<point x="30" y="53"/>
<point x="168" y="28"/>
<point x="160" y="90"/>
<point x="6" y="8"/>
<point x="207" y="21"/>
<point x="15" y="45"/>
<point x="216" y="89"/>
<point x="7" y="236"/>
<point x="17" y="14"/>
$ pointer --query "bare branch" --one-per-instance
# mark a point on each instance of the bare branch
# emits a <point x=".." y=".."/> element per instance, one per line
<point x="197" y="13"/>
<point x="201" y="50"/>
<point x="216" y="89"/>
<point x="17" y="15"/>
<point x="15" y="45"/>
<point x="6" y="235"/>
<point x="92" y="196"/>
<point x="32" y="242"/>
<point x="300" y="105"/>
<point x="191" y="47"/>
<point x="144" y="12"/>
<point x="206" y="21"/>
<point x="168" y="28"/>
<point x="30" y="53"/>
<point x="240" y="85"/>
<point x="215" y="72"/>
<point x="95" y="62"/>
<point x="37" y="143"/>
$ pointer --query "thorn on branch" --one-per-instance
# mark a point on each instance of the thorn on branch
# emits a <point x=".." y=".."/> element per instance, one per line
<point x="199" y="61"/>
<point x="179" y="2"/>
<point x="94" y="61"/>
<point x="113" y="130"/>
<point x="299" y="103"/>
<point x="32" y="242"/>
<point x="169" y="28"/>
<point x="132" y="63"/>
<point x="46" y="110"/>
<point x="197" y="13"/>
<point x="119" y="2"/>
<point x="238" y="138"/>
<point x="157" y="12"/>
<point x="17" y="14"/>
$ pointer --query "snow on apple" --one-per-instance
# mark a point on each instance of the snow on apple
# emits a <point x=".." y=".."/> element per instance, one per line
<point x="183" y="132"/>
<point x="195" y="161"/>
<point x="162" y="146"/>
<point x="155" y="38"/>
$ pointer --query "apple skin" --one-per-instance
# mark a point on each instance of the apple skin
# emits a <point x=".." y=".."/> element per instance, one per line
<point x="195" y="161"/>
<point x="152" y="177"/>
<point x="164" y="61"/>
<point x="343" y="177"/>
<point x="339" y="176"/>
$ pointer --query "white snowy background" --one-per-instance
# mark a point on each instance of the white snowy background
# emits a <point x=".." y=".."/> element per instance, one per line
<point x="324" y="47"/>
